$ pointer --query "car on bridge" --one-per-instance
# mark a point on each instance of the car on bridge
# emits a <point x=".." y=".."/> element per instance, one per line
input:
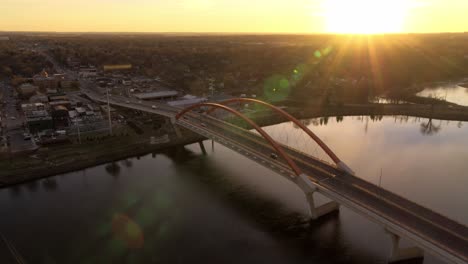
<point x="273" y="156"/>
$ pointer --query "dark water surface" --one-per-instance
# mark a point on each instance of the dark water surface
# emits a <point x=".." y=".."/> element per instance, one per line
<point x="181" y="206"/>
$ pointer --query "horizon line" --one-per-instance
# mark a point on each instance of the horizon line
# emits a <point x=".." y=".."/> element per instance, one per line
<point x="225" y="33"/>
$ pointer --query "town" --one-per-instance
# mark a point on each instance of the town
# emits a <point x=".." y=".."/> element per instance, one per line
<point x="96" y="112"/>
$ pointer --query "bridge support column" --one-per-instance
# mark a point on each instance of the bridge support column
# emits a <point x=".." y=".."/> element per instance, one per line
<point x="309" y="189"/>
<point x="202" y="147"/>
<point x="176" y="127"/>
<point x="400" y="254"/>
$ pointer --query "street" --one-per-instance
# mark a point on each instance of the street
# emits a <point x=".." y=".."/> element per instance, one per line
<point x="13" y="122"/>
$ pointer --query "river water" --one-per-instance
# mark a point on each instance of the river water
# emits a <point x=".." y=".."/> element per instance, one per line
<point x="452" y="93"/>
<point x="181" y="206"/>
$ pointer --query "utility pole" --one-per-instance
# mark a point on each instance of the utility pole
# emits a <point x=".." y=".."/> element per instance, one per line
<point x="79" y="134"/>
<point x="108" y="113"/>
<point x="380" y="181"/>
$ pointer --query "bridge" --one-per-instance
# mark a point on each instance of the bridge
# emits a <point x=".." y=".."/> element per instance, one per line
<point x="401" y="218"/>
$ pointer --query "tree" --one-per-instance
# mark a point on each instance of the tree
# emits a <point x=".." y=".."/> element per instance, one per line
<point x="429" y="128"/>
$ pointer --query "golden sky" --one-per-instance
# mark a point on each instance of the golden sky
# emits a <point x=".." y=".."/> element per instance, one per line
<point x="282" y="16"/>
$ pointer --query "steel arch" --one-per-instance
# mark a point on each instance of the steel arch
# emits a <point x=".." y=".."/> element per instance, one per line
<point x="267" y="137"/>
<point x="291" y="118"/>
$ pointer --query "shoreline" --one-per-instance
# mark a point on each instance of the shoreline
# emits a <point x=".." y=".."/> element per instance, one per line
<point x="28" y="173"/>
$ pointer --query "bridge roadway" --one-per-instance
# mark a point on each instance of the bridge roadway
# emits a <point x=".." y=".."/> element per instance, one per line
<point x="427" y="229"/>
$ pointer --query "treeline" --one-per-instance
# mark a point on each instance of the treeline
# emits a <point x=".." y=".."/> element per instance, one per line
<point x="391" y="65"/>
<point x="15" y="61"/>
<point x="324" y="68"/>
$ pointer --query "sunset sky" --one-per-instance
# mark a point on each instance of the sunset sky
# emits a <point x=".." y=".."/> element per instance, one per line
<point x="282" y="16"/>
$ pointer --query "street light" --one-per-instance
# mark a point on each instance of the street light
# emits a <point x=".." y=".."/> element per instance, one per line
<point x="108" y="112"/>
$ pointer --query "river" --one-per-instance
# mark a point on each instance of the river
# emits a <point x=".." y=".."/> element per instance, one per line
<point x="452" y="93"/>
<point x="181" y="206"/>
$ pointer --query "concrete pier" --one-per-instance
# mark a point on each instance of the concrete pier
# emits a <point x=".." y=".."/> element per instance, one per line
<point x="309" y="189"/>
<point x="176" y="127"/>
<point x="400" y="254"/>
<point x="202" y="147"/>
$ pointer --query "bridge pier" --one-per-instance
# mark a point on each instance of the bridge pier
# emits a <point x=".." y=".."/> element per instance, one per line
<point x="202" y="147"/>
<point x="400" y="254"/>
<point x="309" y="189"/>
<point x="176" y="127"/>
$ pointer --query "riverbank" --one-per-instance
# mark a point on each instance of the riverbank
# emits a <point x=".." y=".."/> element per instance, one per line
<point x="442" y="112"/>
<point x="74" y="157"/>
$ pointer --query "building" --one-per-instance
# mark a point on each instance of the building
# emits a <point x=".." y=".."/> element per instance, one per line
<point x="29" y="109"/>
<point x="187" y="100"/>
<point x="54" y="98"/>
<point x="38" y="121"/>
<point x="161" y="95"/>
<point x="88" y="72"/>
<point x="73" y="62"/>
<point x="67" y="83"/>
<point x="60" y="116"/>
<point x="43" y="81"/>
<point x="39" y="98"/>
<point x="105" y="110"/>
<point x="50" y="91"/>
<point x="26" y="90"/>
<point x="66" y="104"/>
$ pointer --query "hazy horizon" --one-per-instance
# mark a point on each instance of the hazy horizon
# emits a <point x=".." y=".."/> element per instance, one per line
<point x="240" y="17"/>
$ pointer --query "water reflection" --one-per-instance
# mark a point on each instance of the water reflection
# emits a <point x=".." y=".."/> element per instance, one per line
<point x="128" y="163"/>
<point x="421" y="159"/>
<point x="113" y="169"/>
<point x="429" y="128"/>
<point x="15" y="191"/>
<point x="50" y="184"/>
<point x="32" y="186"/>
<point x="224" y="208"/>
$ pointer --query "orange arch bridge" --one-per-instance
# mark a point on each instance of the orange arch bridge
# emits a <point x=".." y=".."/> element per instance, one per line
<point x="340" y="164"/>
<point x="291" y="118"/>
<point x="265" y="135"/>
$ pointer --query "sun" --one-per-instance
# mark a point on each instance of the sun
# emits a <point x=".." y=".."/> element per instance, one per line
<point x="365" y="16"/>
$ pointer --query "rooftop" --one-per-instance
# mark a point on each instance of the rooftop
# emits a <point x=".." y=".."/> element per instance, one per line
<point x="156" y="95"/>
